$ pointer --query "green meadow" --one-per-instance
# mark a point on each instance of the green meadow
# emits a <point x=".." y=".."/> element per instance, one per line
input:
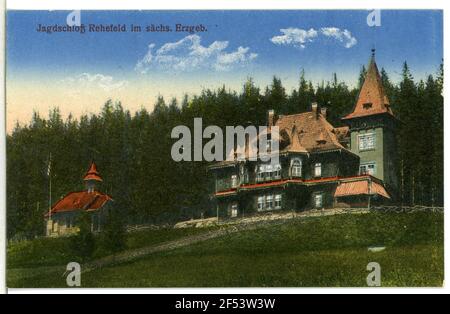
<point x="329" y="251"/>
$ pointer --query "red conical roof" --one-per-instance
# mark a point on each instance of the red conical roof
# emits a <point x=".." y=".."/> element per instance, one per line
<point x="92" y="173"/>
<point x="372" y="98"/>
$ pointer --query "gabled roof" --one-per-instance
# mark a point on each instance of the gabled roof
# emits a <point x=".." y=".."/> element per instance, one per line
<point x="82" y="200"/>
<point x="307" y="132"/>
<point x="92" y="173"/>
<point x="372" y="98"/>
<point x="342" y="133"/>
<point x="294" y="142"/>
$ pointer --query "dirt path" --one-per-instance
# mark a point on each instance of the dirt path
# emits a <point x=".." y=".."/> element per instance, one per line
<point x="130" y="255"/>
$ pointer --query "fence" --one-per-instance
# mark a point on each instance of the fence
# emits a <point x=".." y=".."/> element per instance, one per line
<point x="408" y="209"/>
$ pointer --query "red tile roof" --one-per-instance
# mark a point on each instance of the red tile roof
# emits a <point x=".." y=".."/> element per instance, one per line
<point x="342" y="133"/>
<point x="307" y="132"/>
<point x="360" y="188"/>
<point x="92" y="173"/>
<point x="83" y="200"/>
<point x="372" y="98"/>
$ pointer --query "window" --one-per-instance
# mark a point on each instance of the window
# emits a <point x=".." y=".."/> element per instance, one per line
<point x="276" y="172"/>
<point x="269" y="146"/>
<point x="318" y="200"/>
<point x="269" y="202"/>
<point x="234" y="181"/>
<point x="318" y="169"/>
<point x="296" y="168"/>
<point x="260" y="203"/>
<point x="278" y="201"/>
<point x="367" y="169"/>
<point x="367" y="105"/>
<point x="260" y="173"/>
<point x="268" y="172"/>
<point x="366" y="141"/>
<point x="269" y="143"/>
<point x="234" y="210"/>
<point x="245" y="175"/>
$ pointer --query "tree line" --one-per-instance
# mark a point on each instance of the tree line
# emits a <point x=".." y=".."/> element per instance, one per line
<point x="132" y="150"/>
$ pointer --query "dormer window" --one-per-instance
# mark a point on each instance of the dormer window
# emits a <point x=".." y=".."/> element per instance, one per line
<point x="367" y="105"/>
<point x="321" y="139"/>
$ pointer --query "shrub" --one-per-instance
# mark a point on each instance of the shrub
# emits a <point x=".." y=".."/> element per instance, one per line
<point x="83" y="244"/>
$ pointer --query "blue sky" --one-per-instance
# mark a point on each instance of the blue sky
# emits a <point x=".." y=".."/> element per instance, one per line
<point x="68" y="69"/>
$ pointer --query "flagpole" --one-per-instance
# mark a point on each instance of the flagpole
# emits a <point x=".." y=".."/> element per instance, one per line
<point x="50" y="198"/>
<point x="49" y="170"/>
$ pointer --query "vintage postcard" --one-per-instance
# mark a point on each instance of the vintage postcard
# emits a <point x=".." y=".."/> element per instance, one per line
<point x="224" y="148"/>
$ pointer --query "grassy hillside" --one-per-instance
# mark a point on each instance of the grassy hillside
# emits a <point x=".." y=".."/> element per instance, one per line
<point x="57" y="251"/>
<point x="315" y="252"/>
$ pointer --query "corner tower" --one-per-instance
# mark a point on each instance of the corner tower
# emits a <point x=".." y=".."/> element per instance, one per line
<point x="373" y="130"/>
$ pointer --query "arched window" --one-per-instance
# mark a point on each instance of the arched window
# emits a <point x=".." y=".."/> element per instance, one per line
<point x="296" y="167"/>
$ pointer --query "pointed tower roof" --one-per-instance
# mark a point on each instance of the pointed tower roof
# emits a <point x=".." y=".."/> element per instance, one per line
<point x="92" y="173"/>
<point x="372" y="98"/>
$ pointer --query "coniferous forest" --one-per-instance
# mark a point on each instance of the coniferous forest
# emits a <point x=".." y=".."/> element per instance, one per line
<point x="132" y="149"/>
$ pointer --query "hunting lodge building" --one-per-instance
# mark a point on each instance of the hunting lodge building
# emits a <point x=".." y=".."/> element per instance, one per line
<point x="320" y="166"/>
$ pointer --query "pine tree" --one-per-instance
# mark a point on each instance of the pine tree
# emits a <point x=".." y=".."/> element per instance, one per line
<point x="362" y="77"/>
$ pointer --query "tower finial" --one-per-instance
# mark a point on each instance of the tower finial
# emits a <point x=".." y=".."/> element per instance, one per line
<point x="91" y="177"/>
<point x="373" y="51"/>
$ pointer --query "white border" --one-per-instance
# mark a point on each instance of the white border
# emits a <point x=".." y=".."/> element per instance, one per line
<point x="2" y="152"/>
<point x="220" y="4"/>
<point x="205" y="5"/>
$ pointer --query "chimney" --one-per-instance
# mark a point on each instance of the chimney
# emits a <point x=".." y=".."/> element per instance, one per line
<point x="323" y="111"/>
<point x="314" y="108"/>
<point x="270" y="118"/>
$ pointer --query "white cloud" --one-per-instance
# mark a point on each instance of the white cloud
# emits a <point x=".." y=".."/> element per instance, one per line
<point x="343" y="36"/>
<point x="105" y="82"/>
<point x="188" y="54"/>
<point x="226" y="60"/>
<point x="295" y="36"/>
<point x="299" y="38"/>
